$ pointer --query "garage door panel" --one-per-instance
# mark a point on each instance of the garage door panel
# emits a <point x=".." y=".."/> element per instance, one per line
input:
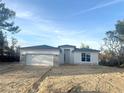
<point x="46" y="60"/>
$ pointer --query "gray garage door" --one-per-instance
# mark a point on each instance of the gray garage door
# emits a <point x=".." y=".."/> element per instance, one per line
<point x="44" y="60"/>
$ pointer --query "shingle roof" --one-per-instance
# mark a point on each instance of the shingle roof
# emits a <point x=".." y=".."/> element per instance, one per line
<point x="50" y="47"/>
<point x="86" y="50"/>
<point x="40" y="47"/>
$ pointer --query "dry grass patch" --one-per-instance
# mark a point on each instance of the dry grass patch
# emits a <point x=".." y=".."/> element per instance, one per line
<point x="20" y="79"/>
<point x="83" y="69"/>
<point x="84" y="79"/>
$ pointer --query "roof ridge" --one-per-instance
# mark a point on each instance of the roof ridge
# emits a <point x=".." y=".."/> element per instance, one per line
<point x="86" y="49"/>
<point x="39" y="46"/>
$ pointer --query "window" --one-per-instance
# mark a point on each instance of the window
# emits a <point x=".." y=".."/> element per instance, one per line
<point x="85" y="57"/>
<point x="88" y="57"/>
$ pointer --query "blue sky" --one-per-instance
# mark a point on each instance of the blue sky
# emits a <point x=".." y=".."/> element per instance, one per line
<point x="57" y="22"/>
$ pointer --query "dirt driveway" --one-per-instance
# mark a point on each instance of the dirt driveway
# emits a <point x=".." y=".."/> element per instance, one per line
<point x="15" y="78"/>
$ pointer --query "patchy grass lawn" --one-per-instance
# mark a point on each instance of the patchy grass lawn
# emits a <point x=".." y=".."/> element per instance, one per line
<point x="84" y="79"/>
<point x="17" y="78"/>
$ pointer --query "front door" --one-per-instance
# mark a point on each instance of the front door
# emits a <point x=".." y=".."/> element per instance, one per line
<point x="66" y="56"/>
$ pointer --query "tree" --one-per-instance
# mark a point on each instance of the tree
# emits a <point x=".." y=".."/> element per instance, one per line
<point x="120" y="27"/>
<point x="113" y="43"/>
<point x="13" y="43"/>
<point x="3" y="43"/>
<point x="7" y="25"/>
<point x="6" y="22"/>
<point x="13" y="46"/>
<point x="2" y="38"/>
<point x="120" y="31"/>
<point x="84" y="46"/>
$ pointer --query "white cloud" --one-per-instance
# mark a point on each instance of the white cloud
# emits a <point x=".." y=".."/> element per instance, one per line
<point x="98" y="7"/>
<point x="23" y="14"/>
<point x="77" y="39"/>
<point x="21" y="10"/>
<point x="41" y="29"/>
<point x="23" y="43"/>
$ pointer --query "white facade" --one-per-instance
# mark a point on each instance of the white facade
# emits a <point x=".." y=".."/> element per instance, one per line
<point x="71" y="58"/>
<point x="93" y="59"/>
<point x="65" y="54"/>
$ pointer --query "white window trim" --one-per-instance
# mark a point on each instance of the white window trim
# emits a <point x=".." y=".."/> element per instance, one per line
<point x="86" y="57"/>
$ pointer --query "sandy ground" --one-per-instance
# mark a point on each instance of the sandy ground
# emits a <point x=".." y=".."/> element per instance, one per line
<point x="84" y="79"/>
<point x="17" y="78"/>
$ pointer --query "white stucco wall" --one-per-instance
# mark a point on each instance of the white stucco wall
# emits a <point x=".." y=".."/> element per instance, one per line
<point x="93" y="60"/>
<point x="62" y="54"/>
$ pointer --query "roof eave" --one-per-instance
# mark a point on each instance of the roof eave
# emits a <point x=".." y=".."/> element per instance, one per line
<point x="86" y="51"/>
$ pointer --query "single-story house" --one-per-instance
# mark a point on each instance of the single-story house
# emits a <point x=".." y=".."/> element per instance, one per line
<point x="54" y="56"/>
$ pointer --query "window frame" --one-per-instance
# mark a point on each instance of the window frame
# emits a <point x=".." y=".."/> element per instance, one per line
<point x="85" y="57"/>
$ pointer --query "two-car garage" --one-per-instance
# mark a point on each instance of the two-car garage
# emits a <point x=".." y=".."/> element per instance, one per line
<point x="40" y="59"/>
<point x="43" y="56"/>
